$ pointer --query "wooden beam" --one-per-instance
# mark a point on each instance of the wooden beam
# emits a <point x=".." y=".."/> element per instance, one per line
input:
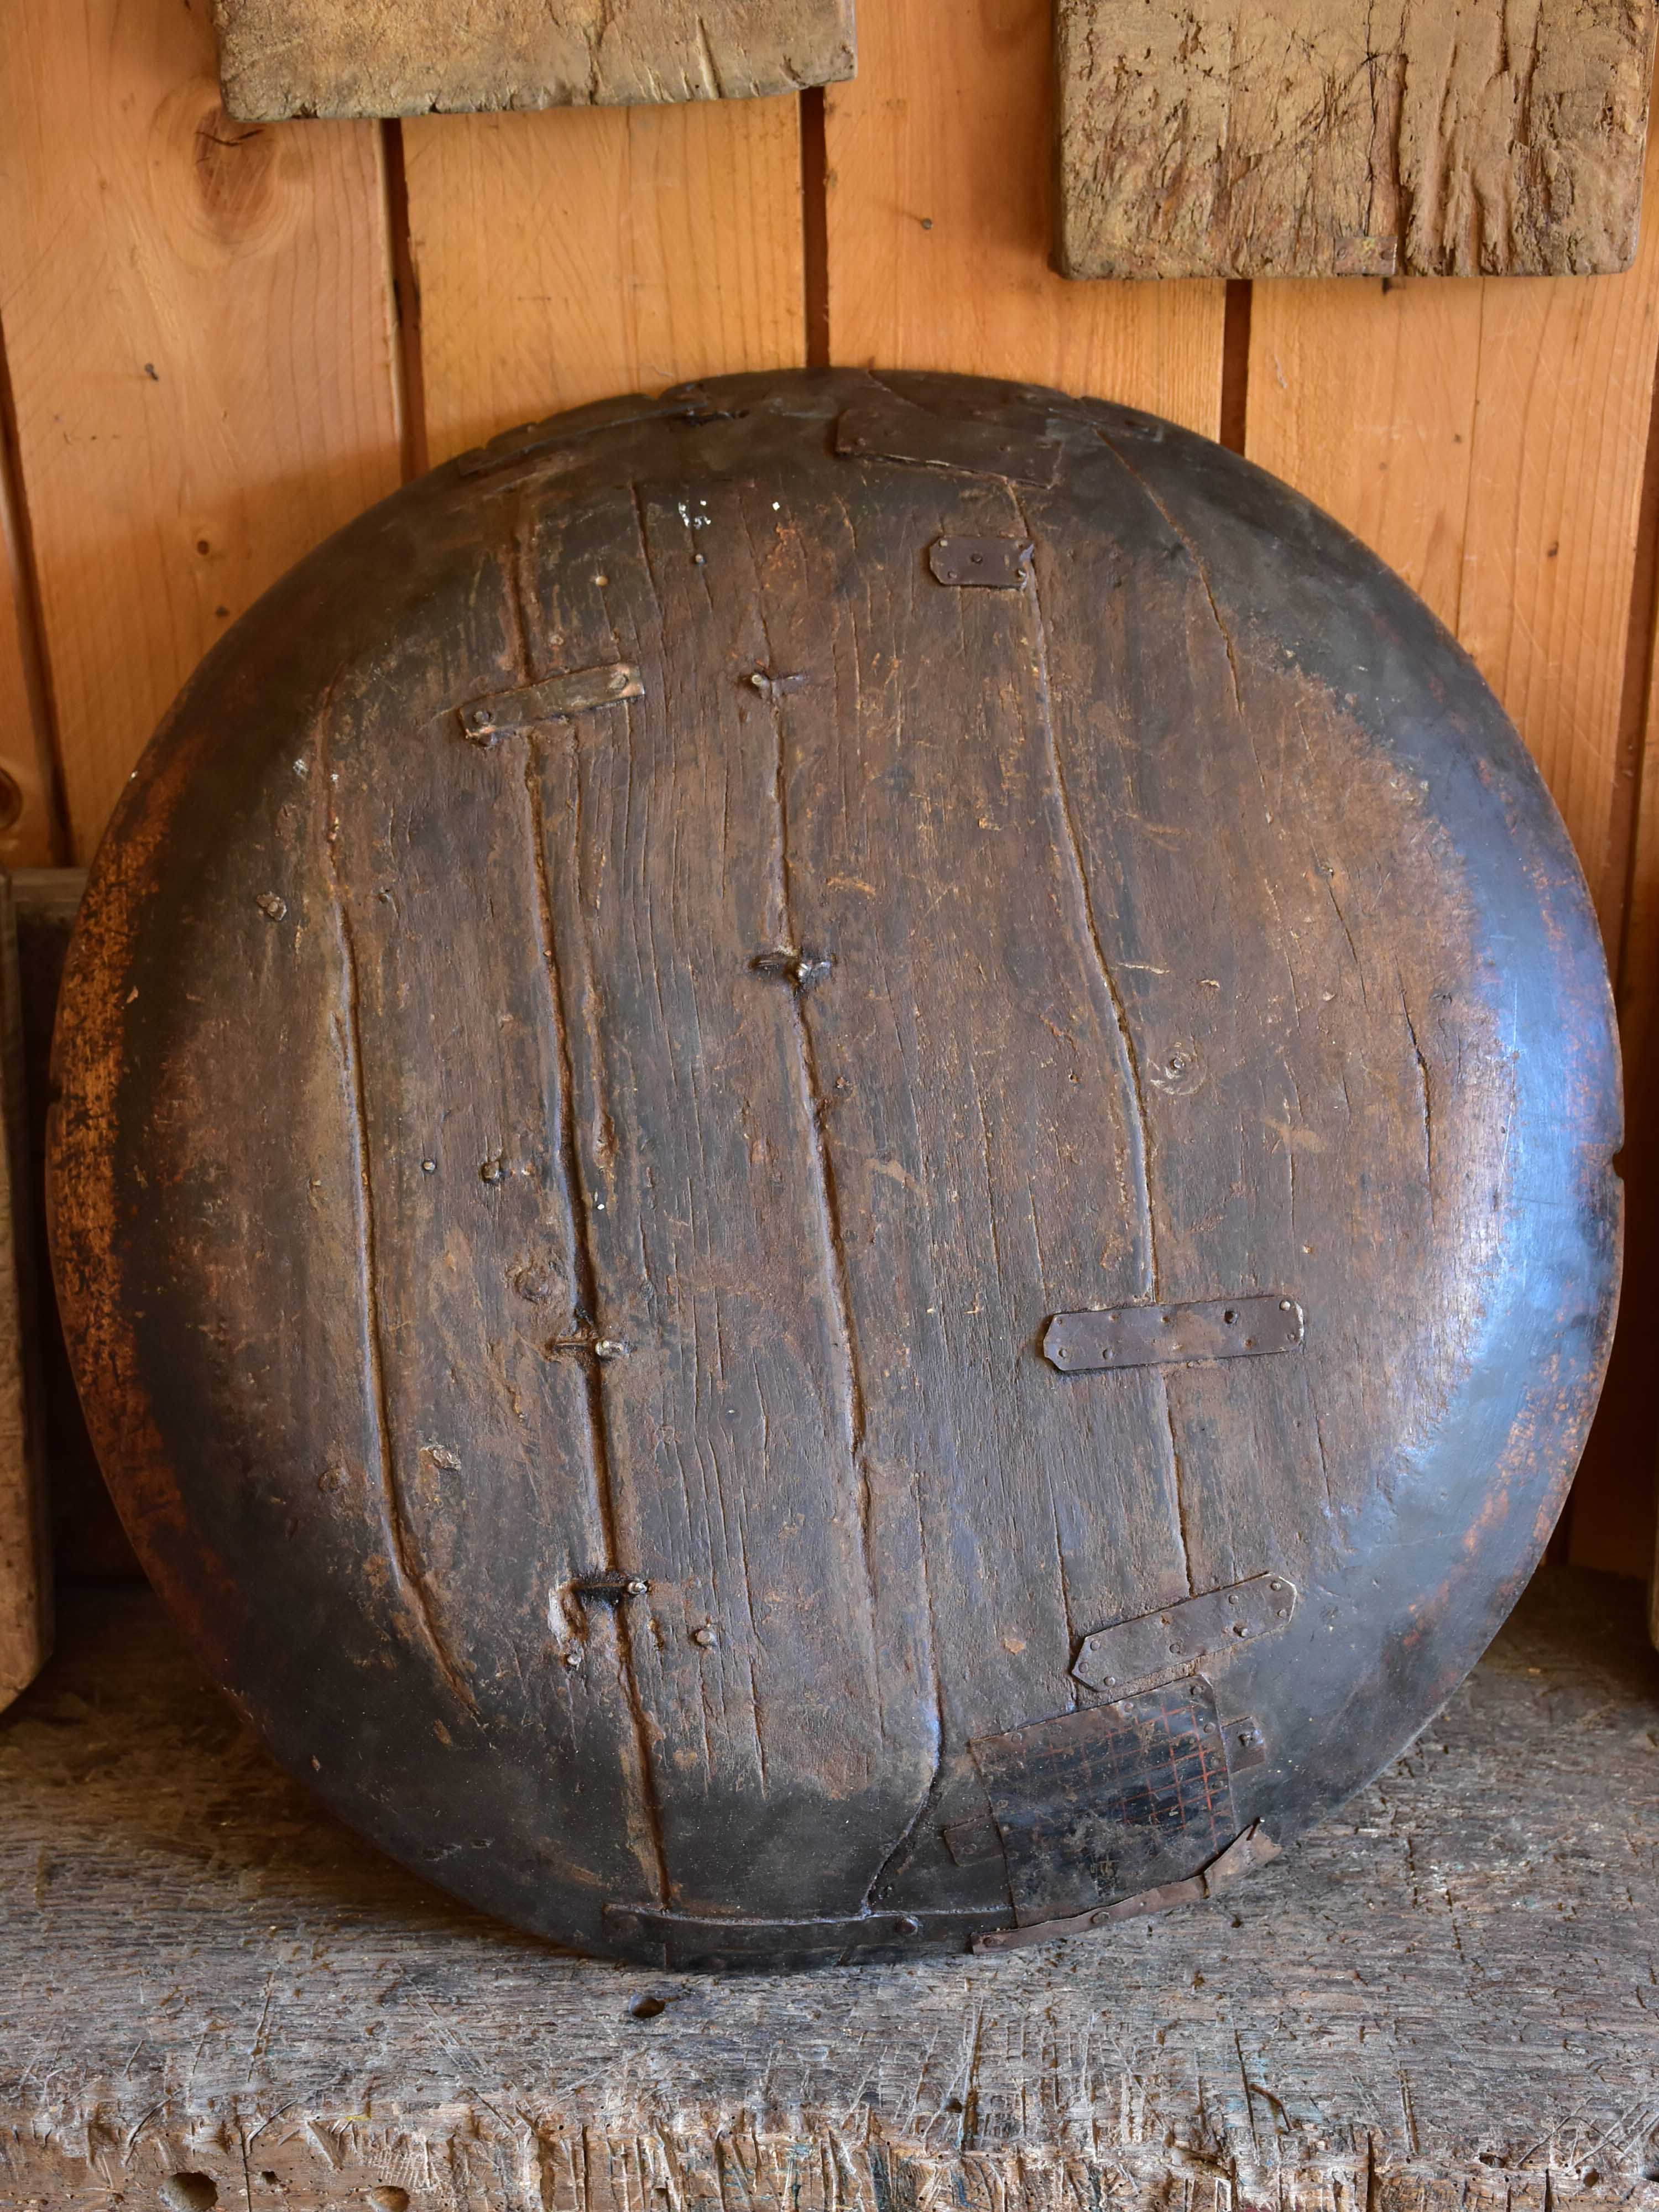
<point x="563" y="258"/>
<point x="341" y="57"/>
<point x="1442" y="1998"/>
<point x="198" y="325"/>
<point x="937" y="173"/>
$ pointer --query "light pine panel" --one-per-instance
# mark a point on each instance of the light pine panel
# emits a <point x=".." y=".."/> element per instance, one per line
<point x="196" y="317"/>
<point x="1487" y="438"/>
<point x="938" y="196"/>
<point x="564" y="257"/>
<point x="29" y="831"/>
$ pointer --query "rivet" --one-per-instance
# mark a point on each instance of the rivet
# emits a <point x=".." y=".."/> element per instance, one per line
<point x="1284" y="1305"/>
<point x="429" y="1167"/>
<point x="610" y="1347"/>
<point x="704" y="1636"/>
<point x="908" y="1924"/>
<point x="637" y="1586"/>
<point x="574" y="1657"/>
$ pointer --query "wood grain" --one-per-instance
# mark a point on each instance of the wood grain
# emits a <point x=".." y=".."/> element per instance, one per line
<point x="1183" y="922"/>
<point x="197" y="318"/>
<point x="29" y="831"/>
<point x="201" y="1974"/>
<point x="939" y="210"/>
<point x="26" y="1606"/>
<point x="345" y="57"/>
<point x="560" y="258"/>
<point x="1487" y="439"/>
<point x="1349" y="137"/>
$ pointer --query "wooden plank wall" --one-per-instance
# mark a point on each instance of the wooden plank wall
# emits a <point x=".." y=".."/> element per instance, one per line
<point x="221" y="340"/>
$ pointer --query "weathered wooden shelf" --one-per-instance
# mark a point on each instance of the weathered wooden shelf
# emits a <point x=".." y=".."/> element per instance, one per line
<point x="212" y="1994"/>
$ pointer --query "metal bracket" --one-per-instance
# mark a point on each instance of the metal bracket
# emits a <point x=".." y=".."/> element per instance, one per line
<point x="693" y="1940"/>
<point x="573" y="692"/>
<point x="1107" y="1799"/>
<point x="885" y="427"/>
<point x="1168" y="1336"/>
<point x="1253" y="1848"/>
<point x="1122" y="1660"/>
<point x="997" y="564"/>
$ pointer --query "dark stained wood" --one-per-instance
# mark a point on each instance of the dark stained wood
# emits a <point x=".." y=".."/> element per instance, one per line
<point x="504" y="1162"/>
<point x="87" y="1536"/>
<point x="1442" y="1998"/>
<point x="26" y="1606"/>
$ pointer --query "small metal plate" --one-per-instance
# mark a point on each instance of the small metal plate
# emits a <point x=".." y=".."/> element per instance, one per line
<point x="1108" y="1801"/>
<point x="1255" y="1848"/>
<point x="996" y="564"/>
<point x="888" y="429"/>
<point x="1165" y="1336"/>
<point x="573" y="692"/>
<point x="1117" y="1661"/>
<point x="689" y="1940"/>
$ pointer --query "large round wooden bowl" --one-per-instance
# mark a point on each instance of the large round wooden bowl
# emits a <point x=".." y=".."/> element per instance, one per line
<point x="832" y="1174"/>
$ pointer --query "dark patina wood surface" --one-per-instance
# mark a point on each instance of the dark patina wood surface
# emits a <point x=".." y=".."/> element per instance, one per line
<point x="651" y="1138"/>
<point x="1441" y="2001"/>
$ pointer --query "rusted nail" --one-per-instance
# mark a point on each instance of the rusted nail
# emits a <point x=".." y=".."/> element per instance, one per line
<point x="613" y="1582"/>
<point x="800" y="968"/>
<point x="776" y="687"/>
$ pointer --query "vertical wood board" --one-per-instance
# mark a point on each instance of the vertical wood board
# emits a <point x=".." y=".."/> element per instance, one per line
<point x="939" y="207"/>
<point x="1349" y="137"/>
<point x="1487" y="439"/>
<point x="197" y="327"/>
<point x="561" y="258"/>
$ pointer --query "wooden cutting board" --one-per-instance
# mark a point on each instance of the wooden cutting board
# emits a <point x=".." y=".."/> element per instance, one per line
<point x="285" y="58"/>
<point x="1351" y="137"/>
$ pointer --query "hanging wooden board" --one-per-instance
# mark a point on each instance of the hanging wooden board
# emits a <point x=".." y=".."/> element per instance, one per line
<point x="285" y="58"/>
<point x="1349" y="137"/>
